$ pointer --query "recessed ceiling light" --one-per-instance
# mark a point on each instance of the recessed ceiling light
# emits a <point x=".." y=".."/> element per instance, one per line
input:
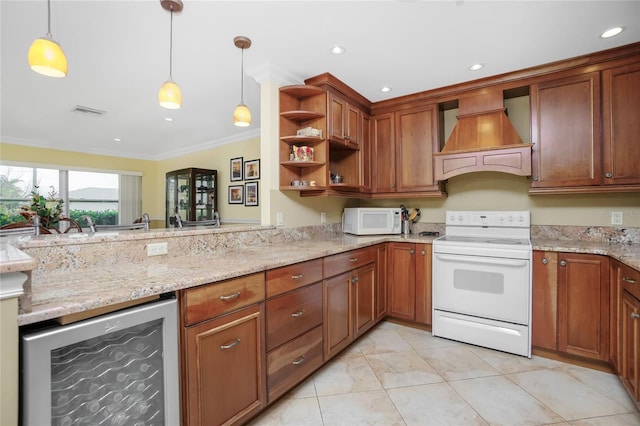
<point x="611" y="32"/>
<point x="117" y="139"/>
<point x="168" y="119"/>
<point x="476" y="67"/>
<point x="385" y="89"/>
<point x="337" y="50"/>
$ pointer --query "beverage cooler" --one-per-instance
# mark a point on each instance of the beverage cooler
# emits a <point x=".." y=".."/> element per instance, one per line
<point x="116" y="369"/>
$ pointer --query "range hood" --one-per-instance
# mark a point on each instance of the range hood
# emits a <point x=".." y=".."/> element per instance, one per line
<point x="483" y="140"/>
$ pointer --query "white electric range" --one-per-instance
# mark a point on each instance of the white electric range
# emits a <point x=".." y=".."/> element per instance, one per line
<point x="482" y="280"/>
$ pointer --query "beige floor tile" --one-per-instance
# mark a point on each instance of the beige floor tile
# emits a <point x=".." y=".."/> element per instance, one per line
<point x="421" y="339"/>
<point x="457" y="363"/>
<point x="306" y="389"/>
<point x="344" y="375"/>
<point x="397" y="369"/>
<point x="502" y="402"/>
<point x="508" y="363"/>
<point x="566" y="395"/>
<point x="360" y="408"/>
<point x="291" y="411"/>
<point x="383" y="340"/>
<point x="435" y="404"/>
<point x="619" y="420"/>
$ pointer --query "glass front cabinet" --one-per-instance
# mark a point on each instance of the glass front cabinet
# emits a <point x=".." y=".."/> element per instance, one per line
<point x="191" y="193"/>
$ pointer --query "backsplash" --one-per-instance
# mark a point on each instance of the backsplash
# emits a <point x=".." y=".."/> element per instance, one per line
<point x="586" y="233"/>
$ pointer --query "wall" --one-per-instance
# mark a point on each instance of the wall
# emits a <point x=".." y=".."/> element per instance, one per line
<point x="217" y="158"/>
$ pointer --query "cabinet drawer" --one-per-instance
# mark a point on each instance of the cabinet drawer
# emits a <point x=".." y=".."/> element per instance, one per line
<point x="291" y="277"/>
<point x="214" y="299"/>
<point x="339" y="263"/>
<point x="291" y="363"/>
<point x="293" y="314"/>
<point x="630" y="280"/>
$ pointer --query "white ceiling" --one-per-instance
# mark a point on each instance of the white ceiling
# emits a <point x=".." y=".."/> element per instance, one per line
<point x="118" y="54"/>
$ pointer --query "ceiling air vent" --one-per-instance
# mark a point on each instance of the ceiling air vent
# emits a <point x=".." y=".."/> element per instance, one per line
<point x="87" y="112"/>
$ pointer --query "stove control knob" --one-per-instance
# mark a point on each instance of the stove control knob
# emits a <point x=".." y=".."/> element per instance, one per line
<point x="452" y="218"/>
<point x="510" y="218"/>
<point x="460" y="218"/>
<point x="520" y="219"/>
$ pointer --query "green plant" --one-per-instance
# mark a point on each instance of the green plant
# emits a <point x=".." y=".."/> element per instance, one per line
<point x="48" y="208"/>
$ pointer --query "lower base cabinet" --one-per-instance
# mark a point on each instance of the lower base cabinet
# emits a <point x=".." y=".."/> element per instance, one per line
<point x="630" y="345"/>
<point x="225" y="372"/>
<point x="409" y="282"/>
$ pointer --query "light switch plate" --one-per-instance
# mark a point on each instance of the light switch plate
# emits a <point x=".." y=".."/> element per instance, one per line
<point x="617" y="218"/>
<point x="157" y="249"/>
<point x="323" y="217"/>
<point x="279" y="219"/>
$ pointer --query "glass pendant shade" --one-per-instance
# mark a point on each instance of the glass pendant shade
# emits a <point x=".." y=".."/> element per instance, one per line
<point x="46" y="57"/>
<point x="170" y="95"/>
<point x="242" y="116"/>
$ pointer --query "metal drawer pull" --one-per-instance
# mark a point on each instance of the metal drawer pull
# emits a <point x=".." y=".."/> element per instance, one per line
<point x="231" y="296"/>
<point x="298" y="361"/>
<point x="298" y="314"/>
<point x="628" y="280"/>
<point x="634" y="315"/>
<point x="230" y="345"/>
<point x="297" y="277"/>
<point x="353" y="259"/>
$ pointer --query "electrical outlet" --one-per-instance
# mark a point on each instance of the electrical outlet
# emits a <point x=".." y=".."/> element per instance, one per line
<point x="616" y="218"/>
<point x="157" y="249"/>
<point x="279" y="219"/>
<point x="323" y="217"/>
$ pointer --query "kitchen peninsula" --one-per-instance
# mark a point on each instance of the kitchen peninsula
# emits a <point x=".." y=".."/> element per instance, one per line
<point x="77" y="274"/>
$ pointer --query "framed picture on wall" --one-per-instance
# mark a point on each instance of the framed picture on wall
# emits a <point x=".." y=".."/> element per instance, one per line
<point x="251" y="194"/>
<point x="236" y="169"/>
<point x="236" y="194"/>
<point x="252" y="170"/>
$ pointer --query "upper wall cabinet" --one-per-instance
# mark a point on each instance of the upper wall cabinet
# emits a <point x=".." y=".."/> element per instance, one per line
<point x="345" y="121"/>
<point x="402" y="159"/>
<point x="586" y="132"/>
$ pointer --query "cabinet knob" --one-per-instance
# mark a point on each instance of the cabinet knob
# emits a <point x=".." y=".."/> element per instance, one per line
<point x="231" y="344"/>
<point x="628" y="280"/>
<point x="423" y="252"/>
<point x="545" y="261"/>
<point x="536" y="178"/>
<point x="230" y="296"/>
<point x="393" y="185"/>
<point x="299" y="360"/>
<point x="412" y="251"/>
<point x="346" y="137"/>
<point x="563" y="263"/>
<point x="608" y="175"/>
<point x="635" y="315"/>
<point x="354" y="280"/>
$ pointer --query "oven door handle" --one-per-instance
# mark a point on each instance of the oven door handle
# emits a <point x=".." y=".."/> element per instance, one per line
<point x="482" y="260"/>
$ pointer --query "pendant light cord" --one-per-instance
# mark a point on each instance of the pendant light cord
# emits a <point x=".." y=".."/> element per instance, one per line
<point x="49" y="19"/>
<point x="242" y="77"/>
<point x="171" y="48"/>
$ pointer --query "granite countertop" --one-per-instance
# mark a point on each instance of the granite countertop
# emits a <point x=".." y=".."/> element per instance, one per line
<point x="72" y="292"/>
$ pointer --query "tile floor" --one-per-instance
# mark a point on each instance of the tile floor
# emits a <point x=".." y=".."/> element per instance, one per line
<point x="396" y="375"/>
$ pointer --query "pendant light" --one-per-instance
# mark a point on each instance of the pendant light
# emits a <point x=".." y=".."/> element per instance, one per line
<point x="45" y="55"/>
<point x="170" y="95"/>
<point x="242" y="115"/>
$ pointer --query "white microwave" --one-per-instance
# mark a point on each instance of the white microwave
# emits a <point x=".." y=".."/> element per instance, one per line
<point x="371" y="220"/>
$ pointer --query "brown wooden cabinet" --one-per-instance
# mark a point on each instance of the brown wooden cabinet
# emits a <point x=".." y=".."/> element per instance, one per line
<point x="344" y="121"/>
<point x="381" y="281"/>
<point x="403" y="145"/>
<point x="349" y="297"/>
<point x="223" y="352"/>
<point x="621" y="127"/>
<point x="409" y="282"/>
<point x="294" y="318"/>
<point x="583" y="305"/>
<point x="544" y="315"/>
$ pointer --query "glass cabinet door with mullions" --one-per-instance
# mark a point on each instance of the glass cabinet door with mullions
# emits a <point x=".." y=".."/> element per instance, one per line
<point x="191" y="193"/>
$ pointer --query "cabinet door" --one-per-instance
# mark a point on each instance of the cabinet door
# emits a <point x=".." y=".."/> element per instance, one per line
<point x="630" y="336"/>
<point x="338" y="317"/>
<point x="224" y="362"/>
<point x="565" y="123"/>
<point x="615" y="308"/>
<point x="336" y="130"/>
<point x="383" y="161"/>
<point x="402" y="281"/>
<point x="364" y="283"/>
<point x="365" y="153"/>
<point x="423" y="283"/>
<point x="353" y="124"/>
<point x="381" y="282"/>
<point x="416" y="139"/>
<point x="583" y="305"/>
<point x="621" y="127"/>
<point x="544" y="315"/>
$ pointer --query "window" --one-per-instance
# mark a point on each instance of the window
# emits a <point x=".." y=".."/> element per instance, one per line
<point x="107" y="197"/>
